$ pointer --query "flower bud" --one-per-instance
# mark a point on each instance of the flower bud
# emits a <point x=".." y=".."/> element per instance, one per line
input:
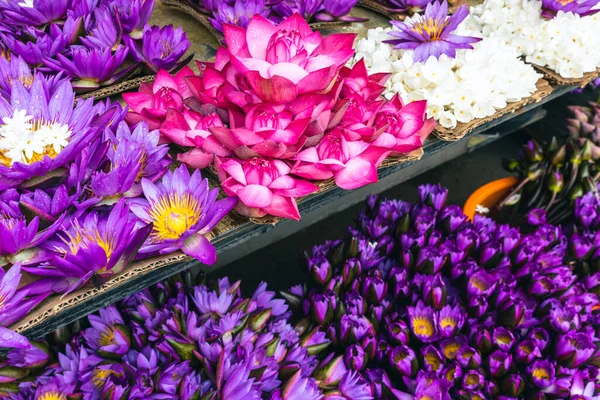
<point x="335" y="284"/>
<point x="452" y="373"/>
<point x="477" y="306"/>
<point x="330" y="372"/>
<point x="398" y="282"/>
<point x="452" y="218"/>
<point x="374" y="289"/>
<point x="369" y="345"/>
<point x="351" y="269"/>
<point x="434" y="291"/>
<point x="354" y="303"/>
<point x="404" y="361"/>
<point x="320" y="269"/>
<point x="355" y="358"/>
<point x="432" y="359"/>
<point x="513" y="385"/>
<point x="258" y="319"/>
<point x="430" y="260"/>
<point x="499" y="363"/>
<point x="541" y="373"/>
<point x="503" y="339"/>
<point x="398" y="332"/>
<point x="376" y="313"/>
<point x="403" y="225"/>
<point x="482" y="340"/>
<point x="468" y="357"/>
<point x="433" y="195"/>
<point x="353" y="328"/>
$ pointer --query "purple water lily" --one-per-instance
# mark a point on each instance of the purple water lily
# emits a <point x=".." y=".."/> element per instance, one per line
<point x="235" y="12"/>
<point x="430" y="34"/>
<point x="160" y="48"/>
<point x="14" y="302"/>
<point x="93" y="249"/>
<point x="108" y="333"/>
<point x="134" y="15"/>
<point x="582" y="7"/>
<point x="182" y="210"/>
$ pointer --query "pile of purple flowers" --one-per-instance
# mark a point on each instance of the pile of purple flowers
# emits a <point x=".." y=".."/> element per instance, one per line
<point x="239" y="12"/>
<point x="82" y="195"/>
<point x="457" y="310"/>
<point x="95" y="44"/>
<point x="180" y="341"/>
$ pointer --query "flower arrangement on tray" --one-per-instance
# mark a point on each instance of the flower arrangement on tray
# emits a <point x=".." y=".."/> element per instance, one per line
<point x="278" y="112"/>
<point x="416" y="303"/>
<point x="555" y="35"/>
<point x="95" y="46"/>
<point x="400" y="9"/>
<point x="431" y="57"/>
<point x="82" y="194"/>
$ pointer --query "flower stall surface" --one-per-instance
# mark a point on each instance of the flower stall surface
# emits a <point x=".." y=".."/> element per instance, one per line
<point x="557" y="36"/>
<point x="94" y="46"/>
<point x="277" y="116"/>
<point x="463" y="78"/>
<point x="416" y="303"/>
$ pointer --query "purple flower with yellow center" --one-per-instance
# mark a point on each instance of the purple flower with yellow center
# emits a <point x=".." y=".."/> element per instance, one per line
<point x="91" y="68"/>
<point x="468" y="357"/>
<point x="404" y="361"/>
<point x="450" y="347"/>
<point x="182" y="210"/>
<point x="108" y="335"/>
<point x="54" y="390"/>
<point x="540" y="337"/>
<point x="93" y="249"/>
<point x="481" y="284"/>
<point x="452" y="373"/>
<point x="564" y="319"/>
<point x="541" y="373"/>
<point x="42" y="130"/>
<point x="473" y="380"/>
<point x="398" y="332"/>
<point x="161" y="48"/>
<point x="430" y="34"/>
<point x="526" y="351"/>
<point x="582" y="7"/>
<point x="450" y="321"/>
<point x="423" y="322"/>
<point x="101" y="377"/>
<point x="432" y="359"/>
<point x="15" y="69"/>
<point x="573" y="349"/>
<point x="503" y="339"/>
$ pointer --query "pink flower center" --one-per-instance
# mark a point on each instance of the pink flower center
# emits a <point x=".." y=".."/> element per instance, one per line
<point x="284" y="46"/>
<point x="266" y="120"/>
<point x="331" y="148"/>
<point x="166" y="98"/>
<point x="393" y="122"/>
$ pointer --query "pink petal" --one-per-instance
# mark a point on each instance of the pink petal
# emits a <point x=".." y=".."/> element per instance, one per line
<point x="164" y="79"/>
<point x="234" y="169"/>
<point x="309" y="155"/>
<point x="196" y="158"/>
<point x="244" y="65"/>
<point x="246" y="136"/>
<point x="293" y="72"/>
<point x="235" y="38"/>
<point x="317" y="81"/>
<point x="334" y="43"/>
<point x="138" y="101"/>
<point x="282" y="167"/>
<point x="270" y="149"/>
<point x="295" y="23"/>
<point x="258" y="35"/>
<point x="312" y="171"/>
<point x="226" y="138"/>
<point x="283" y="182"/>
<point x="250" y="212"/>
<point x="375" y="155"/>
<point x="276" y="90"/>
<point x="255" y="196"/>
<point x="284" y="207"/>
<point x="358" y="173"/>
<point x="302" y="188"/>
<point x="212" y="146"/>
<point x="416" y="109"/>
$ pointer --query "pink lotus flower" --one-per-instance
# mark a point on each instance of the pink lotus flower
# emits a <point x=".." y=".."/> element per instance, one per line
<point x="342" y="155"/>
<point x="152" y="101"/>
<point x="357" y="81"/>
<point x="405" y="126"/>
<point x="266" y="130"/>
<point x="281" y="62"/>
<point x="192" y="129"/>
<point x="263" y="186"/>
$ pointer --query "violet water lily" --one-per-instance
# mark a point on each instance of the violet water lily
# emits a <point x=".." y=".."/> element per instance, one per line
<point x="431" y="34"/>
<point x="181" y="209"/>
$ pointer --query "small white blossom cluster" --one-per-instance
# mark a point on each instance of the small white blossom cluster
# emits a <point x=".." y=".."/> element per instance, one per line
<point x="22" y="141"/>
<point x="567" y="44"/>
<point x="473" y="85"/>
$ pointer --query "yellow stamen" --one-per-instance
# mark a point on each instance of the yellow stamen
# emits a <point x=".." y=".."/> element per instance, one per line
<point x="107" y="337"/>
<point x="422" y="326"/>
<point x="472" y="379"/>
<point x="79" y="238"/>
<point x="433" y="361"/>
<point x="448" y="322"/>
<point x="433" y="27"/>
<point x="52" y="396"/>
<point x="540" y="373"/>
<point x="173" y="215"/>
<point x="451" y="349"/>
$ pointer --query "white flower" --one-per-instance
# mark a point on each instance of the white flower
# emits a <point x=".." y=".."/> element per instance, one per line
<point x="448" y="120"/>
<point x="479" y="209"/>
<point x="26" y="4"/>
<point x="55" y="135"/>
<point x="463" y="114"/>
